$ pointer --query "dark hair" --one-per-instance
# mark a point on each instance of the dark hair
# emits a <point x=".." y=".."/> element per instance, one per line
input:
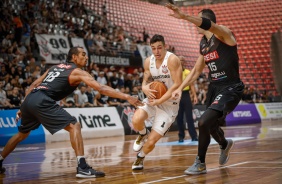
<point x="73" y="51"/>
<point x="209" y="14"/>
<point x="157" y="38"/>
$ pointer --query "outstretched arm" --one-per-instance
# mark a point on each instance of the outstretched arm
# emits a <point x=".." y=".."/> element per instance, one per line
<point x="222" y="32"/>
<point x="79" y="75"/>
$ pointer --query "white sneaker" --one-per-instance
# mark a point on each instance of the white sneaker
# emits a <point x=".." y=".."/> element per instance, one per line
<point x="138" y="164"/>
<point x="139" y="142"/>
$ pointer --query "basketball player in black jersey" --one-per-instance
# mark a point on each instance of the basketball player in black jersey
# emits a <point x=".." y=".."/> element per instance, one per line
<point x="218" y="50"/>
<point x="40" y="107"/>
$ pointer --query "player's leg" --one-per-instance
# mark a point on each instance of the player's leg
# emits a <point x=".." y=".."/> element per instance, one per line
<point x="83" y="169"/>
<point x="207" y="120"/>
<point x="138" y="122"/>
<point x="10" y="146"/>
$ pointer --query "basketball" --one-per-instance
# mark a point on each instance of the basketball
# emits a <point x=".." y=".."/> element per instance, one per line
<point x="160" y="87"/>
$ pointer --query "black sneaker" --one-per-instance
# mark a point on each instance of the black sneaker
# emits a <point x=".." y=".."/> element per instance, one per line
<point x="88" y="172"/>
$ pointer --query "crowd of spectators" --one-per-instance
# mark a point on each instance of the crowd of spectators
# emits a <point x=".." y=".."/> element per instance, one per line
<point x="21" y="63"/>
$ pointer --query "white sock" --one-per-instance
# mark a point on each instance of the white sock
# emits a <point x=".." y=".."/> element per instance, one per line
<point x="141" y="154"/>
<point x="143" y="132"/>
<point x="1" y="158"/>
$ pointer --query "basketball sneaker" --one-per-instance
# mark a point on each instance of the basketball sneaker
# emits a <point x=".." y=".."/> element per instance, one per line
<point x="224" y="153"/>
<point x="88" y="172"/>
<point x="196" y="168"/>
<point x="2" y="169"/>
<point x="138" y="164"/>
<point x="139" y="142"/>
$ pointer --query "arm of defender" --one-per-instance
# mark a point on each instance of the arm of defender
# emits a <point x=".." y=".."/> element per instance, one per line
<point x="222" y="32"/>
<point x="80" y="75"/>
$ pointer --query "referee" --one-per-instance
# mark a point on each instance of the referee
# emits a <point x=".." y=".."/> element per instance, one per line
<point x="185" y="107"/>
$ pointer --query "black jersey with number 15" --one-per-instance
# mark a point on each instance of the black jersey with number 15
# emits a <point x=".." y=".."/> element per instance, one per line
<point x="221" y="59"/>
<point x="56" y="84"/>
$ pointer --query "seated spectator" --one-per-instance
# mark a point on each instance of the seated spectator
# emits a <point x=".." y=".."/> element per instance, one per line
<point x="14" y="97"/>
<point x="4" y="102"/>
<point x="101" y="100"/>
<point x="90" y="94"/>
<point x="80" y="98"/>
<point x="68" y="101"/>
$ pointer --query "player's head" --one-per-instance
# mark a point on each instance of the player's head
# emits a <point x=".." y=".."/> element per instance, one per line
<point x="157" y="44"/>
<point x="78" y="56"/>
<point x="209" y="14"/>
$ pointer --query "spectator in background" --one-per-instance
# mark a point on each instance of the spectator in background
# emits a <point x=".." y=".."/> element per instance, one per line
<point x="15" y="97"/>
<point x="90" y="95"/>
<point x="18" y="28"/>
<point x="4" y="102"/>
<point x="81" y="98"/>
<point x="101" y="78"/>
<point x="101" y="100"/>
<point x="145" y="35"/>
<point x="68" y="101"/>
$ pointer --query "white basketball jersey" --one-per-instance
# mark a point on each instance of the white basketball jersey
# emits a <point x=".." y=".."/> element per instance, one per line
<point x="162" y="73"/>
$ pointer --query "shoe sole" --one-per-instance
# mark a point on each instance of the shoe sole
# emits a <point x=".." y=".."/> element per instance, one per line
<point x="228" y="154"/>
<point x="137" y="168"/>
<point x="195" y="173"/>
<point x="88" y="176"/>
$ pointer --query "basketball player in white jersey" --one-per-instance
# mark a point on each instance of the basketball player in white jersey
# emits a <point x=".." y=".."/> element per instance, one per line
<point x="166" y="67"/>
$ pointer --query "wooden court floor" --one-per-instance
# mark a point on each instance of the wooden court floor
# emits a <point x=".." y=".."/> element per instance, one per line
<point x="256" y="158"/>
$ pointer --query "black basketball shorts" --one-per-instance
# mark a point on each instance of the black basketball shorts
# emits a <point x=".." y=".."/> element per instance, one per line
<point x="224" y="98"/>
<point x="38" y="108"/>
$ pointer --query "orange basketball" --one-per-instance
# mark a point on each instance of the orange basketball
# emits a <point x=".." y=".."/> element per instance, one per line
<point x="160" y="87"/>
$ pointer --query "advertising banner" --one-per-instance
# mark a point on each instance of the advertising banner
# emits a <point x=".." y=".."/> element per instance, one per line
<point x="95" y="122"/>
<point x="9" y="127"/>
<point x="269" y="111"/>
<point x="53" y="48"/>
<point x="243" y="114"/>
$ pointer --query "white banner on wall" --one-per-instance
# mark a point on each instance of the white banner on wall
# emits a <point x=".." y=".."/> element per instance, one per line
<point x="269" y="110"/>
<point x="53" y="48"/>
<point x="95" y="122"/>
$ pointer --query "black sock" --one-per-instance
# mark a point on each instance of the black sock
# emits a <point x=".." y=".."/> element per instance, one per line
<point x="82" y="163"/>
<point x="202" y="159"/>
<point x="224" y="145"/>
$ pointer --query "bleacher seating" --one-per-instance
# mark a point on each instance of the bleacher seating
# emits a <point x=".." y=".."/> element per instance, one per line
<point x="252" y="22"/>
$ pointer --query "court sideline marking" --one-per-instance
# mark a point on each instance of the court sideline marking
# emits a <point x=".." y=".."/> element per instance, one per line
<point x="213" y="169"/>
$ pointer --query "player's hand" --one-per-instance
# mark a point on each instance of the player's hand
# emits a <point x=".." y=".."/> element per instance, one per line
<point x="176" y="94"/>
<point x="153" y="102"/>
<point x="149" y="92"/>
<point x="176" y="11"/>
<point x="134" y="101"/>
<point x="19" y="115"/>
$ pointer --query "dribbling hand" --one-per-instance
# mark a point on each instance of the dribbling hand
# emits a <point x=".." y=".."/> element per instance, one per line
<point x="19" y="115"/>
